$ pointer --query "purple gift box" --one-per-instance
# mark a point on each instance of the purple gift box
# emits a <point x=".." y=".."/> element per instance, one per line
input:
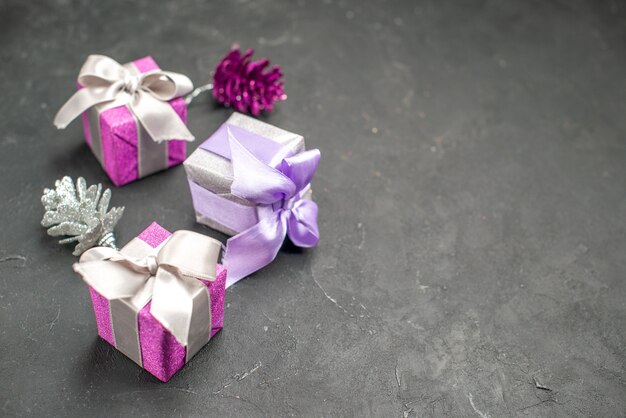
<point x="130" y="318"/>
<point x="210" y="174"/>
<point x="252" y="180"/>
<point x="121" y="144"/>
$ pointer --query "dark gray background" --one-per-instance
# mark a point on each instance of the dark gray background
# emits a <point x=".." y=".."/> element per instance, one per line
<point x="472" y="211"/>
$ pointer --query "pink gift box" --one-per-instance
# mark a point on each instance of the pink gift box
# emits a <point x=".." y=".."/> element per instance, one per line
<point x="161" y="354"/>
<point x="117" y="139"/>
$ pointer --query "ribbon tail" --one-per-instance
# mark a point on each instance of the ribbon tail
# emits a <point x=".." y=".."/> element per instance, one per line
<point x="180" y="301"/>
<point x="254" y="248"/>
<point x="183" y="306"/>
<point x="159" y="119"/>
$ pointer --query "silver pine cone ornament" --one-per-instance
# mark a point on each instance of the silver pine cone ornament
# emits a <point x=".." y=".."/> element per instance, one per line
<point x="81" y="213"/>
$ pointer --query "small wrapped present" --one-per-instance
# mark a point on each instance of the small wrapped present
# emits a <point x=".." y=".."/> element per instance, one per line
<point x="253" y="180"/>
<point x="159" y="299"/>
<point x="133" y="114"/>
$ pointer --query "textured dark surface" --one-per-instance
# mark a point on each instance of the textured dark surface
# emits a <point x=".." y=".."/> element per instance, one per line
<point x="473" y="211"/>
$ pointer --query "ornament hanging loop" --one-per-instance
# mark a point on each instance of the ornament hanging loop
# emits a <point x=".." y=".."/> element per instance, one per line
<point x="197" y="91"/>
<point x="108" y="240"/>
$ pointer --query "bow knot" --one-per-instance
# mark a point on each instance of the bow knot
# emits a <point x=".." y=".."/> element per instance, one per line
<point x="278" y="189"/>
<point x="131" y="83"/>
<point x="288" y="204"/>
<point x="104" y="80"/>
<point x="152" y="264"/>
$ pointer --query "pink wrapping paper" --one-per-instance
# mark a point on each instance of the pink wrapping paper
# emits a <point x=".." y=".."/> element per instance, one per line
<point x="161" y="354"/>
<point x="119" y="136"/>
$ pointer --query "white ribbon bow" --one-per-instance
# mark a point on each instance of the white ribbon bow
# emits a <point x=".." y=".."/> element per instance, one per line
<point x="170" y="278"/>
<point x="105" y="80"/>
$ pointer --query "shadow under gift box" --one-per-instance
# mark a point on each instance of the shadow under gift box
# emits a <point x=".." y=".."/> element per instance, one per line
<point x="119" y="141"/>
<point x="161" y="354"/>
<point x="210" y="175"/>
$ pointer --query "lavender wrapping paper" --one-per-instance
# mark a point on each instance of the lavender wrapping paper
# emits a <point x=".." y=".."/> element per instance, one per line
<point x="161" y="354"/>
<point x="210" y="178"/>
<point x="117" y="128"/>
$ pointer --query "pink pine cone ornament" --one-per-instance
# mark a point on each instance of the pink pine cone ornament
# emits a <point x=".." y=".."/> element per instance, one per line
<point x="247" y="86"/>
